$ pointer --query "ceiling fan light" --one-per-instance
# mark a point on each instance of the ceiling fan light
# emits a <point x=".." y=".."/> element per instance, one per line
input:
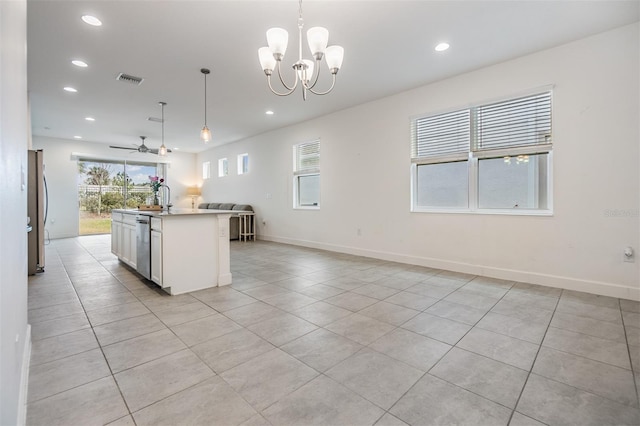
<point x="277" y="38"/>
<point x="267" y="60"/>
<point x="317" y="37"/>
<point x="334" y="56"/>
<point x="205" y="134"/>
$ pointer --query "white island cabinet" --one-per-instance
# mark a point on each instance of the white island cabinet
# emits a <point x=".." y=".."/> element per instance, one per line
<point x="123" y="237"/>
<point x="189" y="249"/>
<point x="156" y="250"/>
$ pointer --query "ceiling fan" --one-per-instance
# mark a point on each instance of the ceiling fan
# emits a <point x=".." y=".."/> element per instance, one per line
<point x="140" y="148"/>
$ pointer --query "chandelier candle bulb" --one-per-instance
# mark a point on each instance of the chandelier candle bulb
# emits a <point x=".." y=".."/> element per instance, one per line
<point x="267" y="61"/>
<point x="305" y="73"/>
<point x="277" y="39"/>
<point x="334" y="56"/>
<point x="317" y="37"/>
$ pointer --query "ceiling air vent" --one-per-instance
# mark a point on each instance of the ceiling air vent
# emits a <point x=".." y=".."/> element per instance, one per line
<point x="129" y="78"/>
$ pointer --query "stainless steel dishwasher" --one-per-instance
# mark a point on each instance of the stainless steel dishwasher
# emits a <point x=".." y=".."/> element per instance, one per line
<point x="143" y="246"/>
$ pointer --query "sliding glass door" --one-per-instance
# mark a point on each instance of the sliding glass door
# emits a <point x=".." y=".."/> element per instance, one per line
<point x="104" y="185"/>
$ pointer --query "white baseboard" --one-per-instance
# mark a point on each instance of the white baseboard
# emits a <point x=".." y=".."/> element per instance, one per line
<point x="568" y="283"/>
<point x="24" y="379"/>
<point x="224" y="279"/>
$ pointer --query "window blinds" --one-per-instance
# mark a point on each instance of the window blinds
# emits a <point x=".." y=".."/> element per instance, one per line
<point x="307" y="157"/>
<point x="521" y="122"/>
<point x="518" y="122"/>
<point x="441" y="135"/>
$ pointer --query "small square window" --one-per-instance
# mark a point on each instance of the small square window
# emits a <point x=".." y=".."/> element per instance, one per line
<point x="306" y="175"/>
<point x="243" y="164"/>
<point x="206" y="170"/>
<point x="223" y="167"/>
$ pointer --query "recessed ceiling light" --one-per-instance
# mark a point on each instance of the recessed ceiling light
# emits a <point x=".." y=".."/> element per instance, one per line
<point x="90" y="119"/>
<point x="79" y="63"/>
<point x="176" y="148"/>
<point x="77" y="137"/>
<point x="92" y="20"/>
<point x="269" y="112"/>
<point x="70" y="89"/>
<point x="441" y="47"/>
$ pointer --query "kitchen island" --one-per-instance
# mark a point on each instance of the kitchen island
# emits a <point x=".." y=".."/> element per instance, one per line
<point x="181" y="250"/>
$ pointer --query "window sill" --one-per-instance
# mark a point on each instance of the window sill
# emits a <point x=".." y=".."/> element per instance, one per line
<point x="503" y="212"/>
<point x="306" y="208"/>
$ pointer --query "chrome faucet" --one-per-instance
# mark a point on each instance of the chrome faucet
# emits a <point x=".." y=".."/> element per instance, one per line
<point x="169" y="205"/>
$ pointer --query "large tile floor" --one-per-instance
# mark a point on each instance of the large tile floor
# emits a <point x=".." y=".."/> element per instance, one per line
<point x="308" y="337"/>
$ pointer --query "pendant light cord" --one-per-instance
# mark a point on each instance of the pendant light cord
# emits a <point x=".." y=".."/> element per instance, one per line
<point x="205" y="99"/>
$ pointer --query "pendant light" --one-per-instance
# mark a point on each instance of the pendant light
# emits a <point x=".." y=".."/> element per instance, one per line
<point x="163" y="149"/>
<point x="205" y="133"/>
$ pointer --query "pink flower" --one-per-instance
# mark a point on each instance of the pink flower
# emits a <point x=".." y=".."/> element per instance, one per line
<point x="156" y="183"/>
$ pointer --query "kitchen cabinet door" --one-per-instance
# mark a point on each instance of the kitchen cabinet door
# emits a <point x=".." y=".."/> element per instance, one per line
<point x="156" y="257"/>
<point x="116" y="238"/>
<point x="129" y="250"/>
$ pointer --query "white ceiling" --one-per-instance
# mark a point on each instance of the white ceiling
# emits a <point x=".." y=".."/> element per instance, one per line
<point x="388" y="49"/>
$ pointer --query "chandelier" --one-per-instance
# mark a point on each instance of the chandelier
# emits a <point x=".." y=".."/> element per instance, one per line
<point x="317" y="37"/>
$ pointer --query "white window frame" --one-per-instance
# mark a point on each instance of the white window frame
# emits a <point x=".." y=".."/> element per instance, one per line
<point x="473" y="156"/>
<point x="240" y="164"/>
<point x="300" y="171"/>
<point x="223" y="167"/>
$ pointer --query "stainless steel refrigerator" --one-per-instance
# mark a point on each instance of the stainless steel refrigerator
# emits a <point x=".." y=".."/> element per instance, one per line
<point x="36" y="211"/>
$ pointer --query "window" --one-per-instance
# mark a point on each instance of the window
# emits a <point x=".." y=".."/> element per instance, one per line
<point x="223" y="167"/>
<point x="243" y="164"/>
<point x="493" y="158"/>
<point x="306" y="175"/>
<point x="206" y="170"/>
<point x="104" y="185"/>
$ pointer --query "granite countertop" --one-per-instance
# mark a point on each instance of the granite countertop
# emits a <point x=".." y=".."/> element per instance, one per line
<point x="172" y="212"/>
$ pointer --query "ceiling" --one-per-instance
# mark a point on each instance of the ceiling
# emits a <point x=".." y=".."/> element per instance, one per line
<point x="389" y="48"/>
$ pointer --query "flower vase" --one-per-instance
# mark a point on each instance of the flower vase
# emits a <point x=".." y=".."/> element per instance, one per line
<point x="156" y="202"/>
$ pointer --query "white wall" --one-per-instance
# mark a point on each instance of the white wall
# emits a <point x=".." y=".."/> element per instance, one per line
<point x="61" y="172"/>
<point x="365" y="181"/>
<point x="15" y="340"/>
